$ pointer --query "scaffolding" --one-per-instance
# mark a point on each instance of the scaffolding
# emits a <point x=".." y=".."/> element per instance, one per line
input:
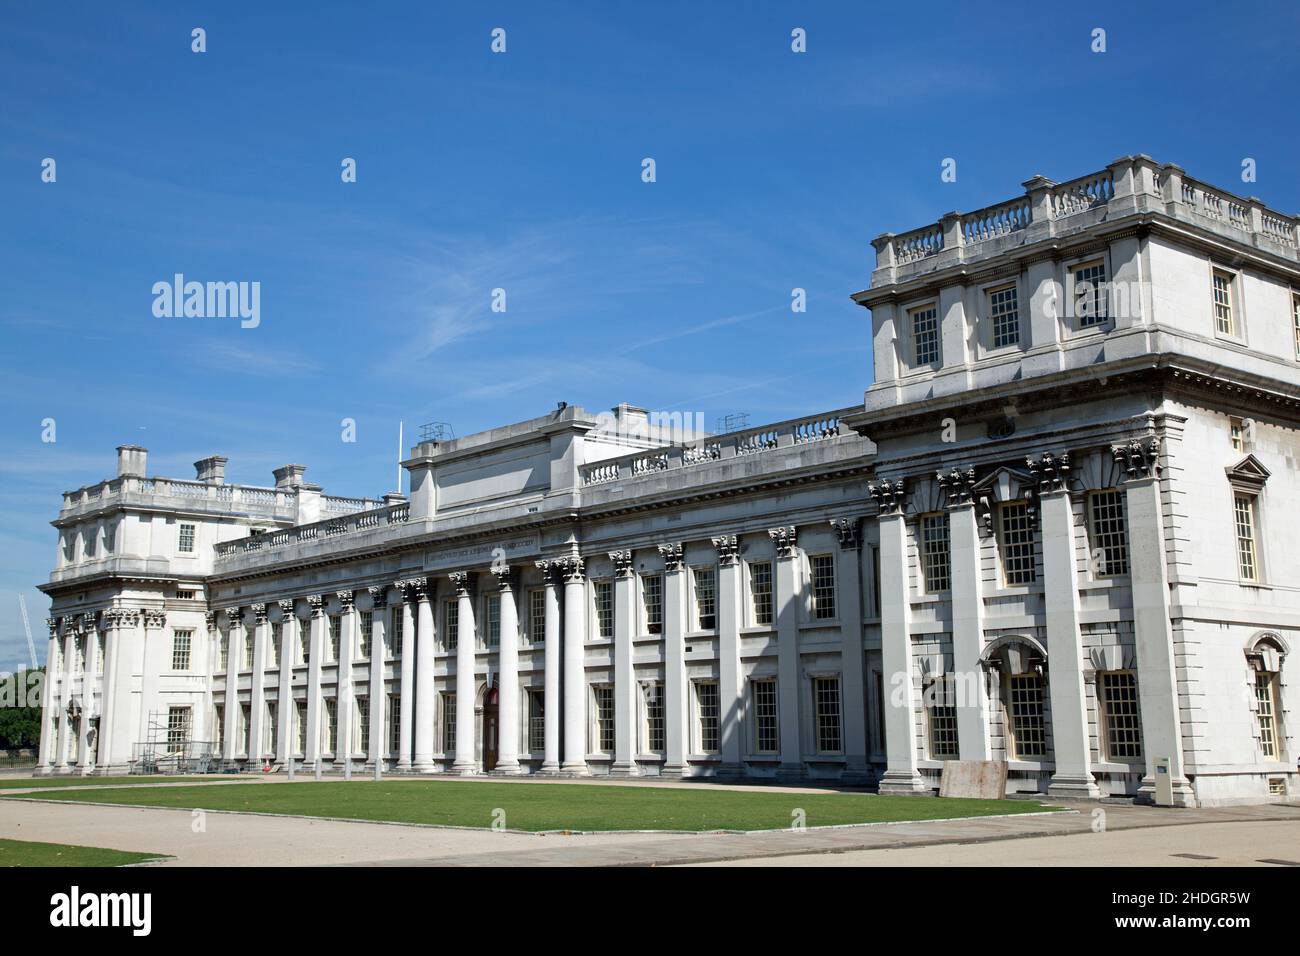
<point x="167" y="749"/>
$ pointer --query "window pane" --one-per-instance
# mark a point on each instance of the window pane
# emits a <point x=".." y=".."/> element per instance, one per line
<point x="1017" y="544"/>
<point x="1005" y="315"/>
<point x="1109" y="527"/>
<point x="925" y="335"/>
<point x="705" y="602"/>
<point x="765" y="725"/>
<point x="1266" y="712"/>
<point x="706" y="697"/>
<point x="1223" y="303"/>
<point x="760" y="590"/>
<point x="603" y="697"/>
<point x="826" y="699"/>
<point x="1244" y="512"/>
<point x="1119" y="703"/>
<point x="935" y="559"/>
<point x="604" y="596"/>
<point x="943" y="719"/>
<point x="823" y="586"/>
<point x="1090" y="294"/>
<point x="652" y="590"/>
<point x="654" y="716"/>
<point x="1025" y="710"/>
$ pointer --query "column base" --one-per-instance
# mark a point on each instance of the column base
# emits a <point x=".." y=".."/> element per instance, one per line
<point x="463" y="769"/>
<point x="507" y="769"/>
<point x="549" y="769"/>
<point x="423" y="765"/>
<point x="791" y="771"/>
<point x="43" y="771"/>
<point x="902" y="782"/>
<point x="673" y="771"/>
<point x="624" y="768"/>
<point x="1078" y="786"/>
<point x="570" y="769"/>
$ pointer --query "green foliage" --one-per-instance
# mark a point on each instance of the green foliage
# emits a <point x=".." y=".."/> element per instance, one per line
<point x="20" y="726"/>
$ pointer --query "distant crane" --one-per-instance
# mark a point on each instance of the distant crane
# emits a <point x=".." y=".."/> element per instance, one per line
<point x="31" y="645"/>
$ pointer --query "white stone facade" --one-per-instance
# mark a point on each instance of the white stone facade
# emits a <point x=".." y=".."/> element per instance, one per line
<point x="1056" y="532"/>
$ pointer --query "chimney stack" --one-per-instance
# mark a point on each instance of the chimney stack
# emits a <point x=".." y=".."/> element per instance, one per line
<point x="211" y="470"/>
<point x="289" y="476"/>
<point x="132" y="461"/>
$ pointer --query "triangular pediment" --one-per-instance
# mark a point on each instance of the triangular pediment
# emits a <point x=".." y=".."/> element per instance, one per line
<point x="1004" y="484"/>
<point x="1250" y="470"/>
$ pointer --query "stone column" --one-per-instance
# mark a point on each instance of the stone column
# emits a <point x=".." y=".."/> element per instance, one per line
<point x="675" y="726"/>
<point x="406" y="707"/>
<point x="968" y="633"/>
<point x="343" y="678"/>
<point x="85" y="763"/>
<point x="902" y="774"/>
<point x="466" y="762"/>
<point x="153" y="621"/>
<point x="65" y="691"/>
<point x="1157" y="679"/>
<point x="234" y="657"/>
<point x="551" y="672"/>
<point x="49" y="739"/>
<point x="508" y="665"/>
<point x="378" y="699"/>
<point x="315" y="651"/>
<point x="624" y="675"/>
<point x="286" y="740"/>
<point x="853" y="658"/>
<point x="110" y="695"/>
<point x="1071" y="748"/>
<point x="424" y="687"/>
<point x="789" y="602"/>
<point x="730" y="687"/>
<point x="257" y="687"/>
<point x="575" y="667"/>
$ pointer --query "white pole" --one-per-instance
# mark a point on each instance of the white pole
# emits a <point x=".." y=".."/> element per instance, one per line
<point x="399" y="456"/>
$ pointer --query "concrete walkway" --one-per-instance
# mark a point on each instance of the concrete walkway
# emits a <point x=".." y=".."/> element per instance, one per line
<point x="194" y="838"/>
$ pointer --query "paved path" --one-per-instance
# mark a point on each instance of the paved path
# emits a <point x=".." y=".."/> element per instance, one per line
<point x="251" y="840"/>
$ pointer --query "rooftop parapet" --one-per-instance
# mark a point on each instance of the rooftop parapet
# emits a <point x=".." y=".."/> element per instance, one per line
<point x="1050" y="210"/>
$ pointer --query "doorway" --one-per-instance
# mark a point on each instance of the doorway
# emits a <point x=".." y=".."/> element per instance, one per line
<point x="490" y="725"/>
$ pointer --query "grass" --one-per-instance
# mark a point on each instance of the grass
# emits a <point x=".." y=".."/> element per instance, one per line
<point x="554" y="806"/>
<point x="14" y="783"/>
<point x="23" y="853"/>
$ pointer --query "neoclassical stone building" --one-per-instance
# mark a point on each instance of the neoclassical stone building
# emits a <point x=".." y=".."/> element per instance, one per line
<point x="1058" y="531"/>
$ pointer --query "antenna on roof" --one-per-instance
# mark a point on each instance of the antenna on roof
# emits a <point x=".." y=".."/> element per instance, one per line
<point x="732" y="423"/>
<point x="400" y="423"/>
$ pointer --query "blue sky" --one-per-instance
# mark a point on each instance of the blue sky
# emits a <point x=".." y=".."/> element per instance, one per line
<point x="522" y="171"/>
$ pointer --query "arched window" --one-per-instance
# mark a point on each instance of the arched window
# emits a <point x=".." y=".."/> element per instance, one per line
<point x="1265" y="653"/>
<point x="1020" y="663"/>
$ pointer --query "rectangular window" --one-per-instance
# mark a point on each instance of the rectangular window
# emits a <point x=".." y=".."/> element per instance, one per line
<point x="250" y="646"/>
<point x="1017" y="535"/>
<point x="1245" y="519"/>
<point x="1266" y="712"/>
<point x="603" y="593"/>
<point x="1295" y="321"/>
<point x="925" y="335"/>
<point x="330" y="743"/>
<point x="652" y="595"/>
<point x="1024" y="709"/>
<point x="1108" y="524"/>
<point x="451" y="625"/>
<point x="366" y="619"/>
<point x="1223" y="320"/>
<point x="706" y="703"/>
<point x="277" y="630"/>
<point x="99" y="652"/>
<point x="823" y="586"/>
<point x="178" y="727"/>
<point x="763" y="692"/>
<point x="826" y="703"/>
<point x="1237" y="433"/>
<point x="301" y="712"/>
<point x="183" y="595"/>
<point x="394" y="723"/>
<point x="536" y="720"/>
<point x="1090" y="305"/>
<point x="706" y="605"/>
<point x="1004" y="312"/>
<point x="603" y="701"/>
<point x="272" y="727"/>
<point x="335" y="632"/>
<point x="653" y="694"/>
<point x="537" y="615"/>
<point x="395" y="633"/>
<point x="223" y="650"/>
<point x="936" y="563"/>
<point x="448" y="724"/>
<point x="219" y="728"/>
<point x="760" y="592"/>
<point x="182" y="642"/>
<point x="942" y="713"/>
<point x="1118" y="700"/>
<point x="363" y="726"/>
<point x="304" y="644"/>
<point x="493" y="606"/>
<point x="246" y="727"/>
<point x="185" y="542"/>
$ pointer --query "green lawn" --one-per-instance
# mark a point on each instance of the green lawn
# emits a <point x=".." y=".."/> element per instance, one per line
<point x="22" y="853"/>
<point x="14" y="783"/>
<point x="553" y="806"/>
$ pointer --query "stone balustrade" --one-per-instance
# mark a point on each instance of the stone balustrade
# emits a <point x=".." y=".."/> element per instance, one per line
<point x="751" y="441"/>
<point x="327" y="528"/>
<point x="247" y="499"/>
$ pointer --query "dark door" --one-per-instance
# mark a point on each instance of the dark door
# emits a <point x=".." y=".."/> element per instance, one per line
<point x="490" y="737"/>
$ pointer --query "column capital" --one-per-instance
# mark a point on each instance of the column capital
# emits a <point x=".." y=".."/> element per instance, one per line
<point x="622" y="563"/>
<point x="572" y="568"/>
<point x="109" y="619"/>
<point x="155" y="617"/>
<point x="234" y="616"/>
<point x="259" y="613"/>
<point x="847" y="531"/>
<point x="786" y="540"/>
<point x="347" y="600"/>
<point x="460" y="582"/>
<point x="317" y="604"/>
<point x="128" y="617"/>
<point x="549" y="571"/>
<point x="890" y="496"/>
<point x="672" y="555"/>
<point x="1140" y="458"/>
<point x="728" y="546"/>
<point x="502" y="573"/>
<point x="88" y="621"/>
<point x="53" y="624"/>
<point x="1051" y="471"/>
<point x="378" y="596"/>
<point x="287" y="606"/>
<point x="413" y="590"/>
<point x="958" y="485"/>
